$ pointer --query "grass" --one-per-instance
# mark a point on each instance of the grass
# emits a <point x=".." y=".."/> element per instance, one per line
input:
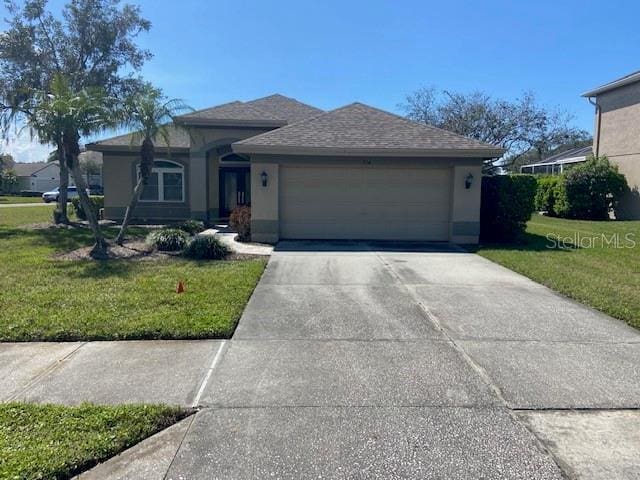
<point x="57" y="442"/>
<point x="8" y="199"/>
<point x="42" y="298"/>
<point x="603" y="276"/>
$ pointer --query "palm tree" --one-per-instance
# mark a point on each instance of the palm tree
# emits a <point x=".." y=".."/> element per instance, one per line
<point x="60" y="116"/>
<point x="150" y="114"/>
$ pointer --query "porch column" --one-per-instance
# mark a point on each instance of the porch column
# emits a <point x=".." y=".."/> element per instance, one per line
<point x="265" y="225"/>
<point x="465" y="208"/>
<point x="198" y="185"/>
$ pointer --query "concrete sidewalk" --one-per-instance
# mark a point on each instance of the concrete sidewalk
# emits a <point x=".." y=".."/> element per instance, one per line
<point x="171" y="372"/>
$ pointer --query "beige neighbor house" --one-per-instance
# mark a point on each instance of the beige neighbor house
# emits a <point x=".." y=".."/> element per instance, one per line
<point x="351" y="173"/>
<point x="617" y="132"/>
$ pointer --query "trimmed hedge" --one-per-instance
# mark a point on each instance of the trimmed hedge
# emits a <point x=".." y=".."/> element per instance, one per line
<point x="96" y="201"/>
<point x="590" y="191"/>
<point x="240" y="221"/>
<point x="168" y="239"/>
<point x="546" y="194"/>
<point x="206" y="247"/>
<point x="191" y="226"/>
<point x="507" y="205"/>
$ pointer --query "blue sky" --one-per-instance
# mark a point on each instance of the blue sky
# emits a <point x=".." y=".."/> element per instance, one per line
<point x="329" y="53"/>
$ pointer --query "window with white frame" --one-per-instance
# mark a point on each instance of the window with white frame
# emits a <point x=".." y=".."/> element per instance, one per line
<point x="166" y="183"/>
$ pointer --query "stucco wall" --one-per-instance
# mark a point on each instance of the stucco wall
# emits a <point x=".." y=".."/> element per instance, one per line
<point x="119" y="177"/>
<point x="620" y="138"/>
<point x="464" y="208"/>
<point x="201" y="177"/>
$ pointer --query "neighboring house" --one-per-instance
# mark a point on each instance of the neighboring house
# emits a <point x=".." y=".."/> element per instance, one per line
<point x="352" y="173"/>
<point x="37" y="176"/>
<point x="617" y="132"/>
<point x="557" y="163"/>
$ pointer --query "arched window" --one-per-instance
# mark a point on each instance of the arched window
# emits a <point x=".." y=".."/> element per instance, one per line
<point x="166" y="183"/>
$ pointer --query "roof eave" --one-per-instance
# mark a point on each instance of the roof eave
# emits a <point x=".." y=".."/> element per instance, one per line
<point x="611" y="86"/>
<point x="362" y="152"/>
<point x="96" y="147"/>
<point x="201" y="122"/>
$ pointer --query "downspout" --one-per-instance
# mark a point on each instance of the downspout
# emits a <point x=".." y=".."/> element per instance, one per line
<point x="598" y="118"/>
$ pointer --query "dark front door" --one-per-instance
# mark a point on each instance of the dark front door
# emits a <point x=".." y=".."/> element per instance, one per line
<point x="235" y="189"/>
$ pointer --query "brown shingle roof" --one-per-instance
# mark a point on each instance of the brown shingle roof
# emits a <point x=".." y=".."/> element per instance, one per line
<point x="285" y="108"/>
<point x="361" y="129"/>
<point x="178" y="138"/>
<point x="272" y="111"/>
<point x="231" y="113"/>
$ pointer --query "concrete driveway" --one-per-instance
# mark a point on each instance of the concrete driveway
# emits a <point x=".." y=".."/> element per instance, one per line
<point x="354" y="360"/>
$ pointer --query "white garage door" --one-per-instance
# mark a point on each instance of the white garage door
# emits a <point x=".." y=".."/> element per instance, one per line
<point x="364" y="203"/>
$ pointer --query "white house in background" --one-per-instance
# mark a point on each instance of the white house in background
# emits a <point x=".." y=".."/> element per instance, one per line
<point x="38" y="176"/>
<point x="559" y="162"/>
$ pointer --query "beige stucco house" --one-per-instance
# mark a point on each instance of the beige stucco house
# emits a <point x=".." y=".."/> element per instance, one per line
<point x="617" y="132"/>
<point x="351" y="173"/>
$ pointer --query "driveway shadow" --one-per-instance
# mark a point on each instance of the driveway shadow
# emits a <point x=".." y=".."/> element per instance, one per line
<point x="364" y="246"/>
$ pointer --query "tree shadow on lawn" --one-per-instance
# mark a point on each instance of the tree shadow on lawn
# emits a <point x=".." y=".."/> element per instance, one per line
<point x="98" y="269"/>
<point x="531" y="242"/>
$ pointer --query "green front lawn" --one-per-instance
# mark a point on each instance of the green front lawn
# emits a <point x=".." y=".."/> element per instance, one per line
<point x="597" y="272"/>
<point x="42" y="298"/>
<point x="7" y="199"/>
<point x="57" y="442"/>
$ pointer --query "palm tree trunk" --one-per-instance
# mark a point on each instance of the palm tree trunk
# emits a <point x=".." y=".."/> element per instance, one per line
<point x="147" y="154"/>
<point x="72" y="151"/>
<point x="137" y="193"/>
<point x="62" y="216"/>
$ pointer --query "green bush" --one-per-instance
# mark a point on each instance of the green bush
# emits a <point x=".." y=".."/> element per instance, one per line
<point x="168" y="239"/>
<point x="191" y="226"/>
<point x="240" y="221"/>
<point x="206" y="247"/>
<point x="545" y="199"/>
<point x="507" y="205"/>
<point x="590" y="191"/>
<point x="96" y="201"/>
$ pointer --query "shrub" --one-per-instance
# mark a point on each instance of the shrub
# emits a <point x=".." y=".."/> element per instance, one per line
<point x="168" y="239"/>
<point x="240" y="221"/>
<point x="545" y="199"/>
<point x="207" y="247"/>
<point x="590" y="191"/>
<point x="191" y="226"/>
<point x="96" y="201"/>
<point x="507" y="205"/>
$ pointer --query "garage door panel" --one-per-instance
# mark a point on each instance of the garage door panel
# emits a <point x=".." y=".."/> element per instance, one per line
<point x="364" y="203"/>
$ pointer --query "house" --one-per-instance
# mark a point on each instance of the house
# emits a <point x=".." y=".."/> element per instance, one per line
<point x="617" y="132"/>
<point x="37" y="176"/>
<point x="355" y="172"/>
<point x="557" y="163"/>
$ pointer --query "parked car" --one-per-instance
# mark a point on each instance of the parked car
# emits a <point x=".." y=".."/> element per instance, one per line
<point x="53" y="195"/>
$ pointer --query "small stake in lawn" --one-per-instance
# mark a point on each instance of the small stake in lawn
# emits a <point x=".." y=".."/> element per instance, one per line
<point x="180" y="287"/>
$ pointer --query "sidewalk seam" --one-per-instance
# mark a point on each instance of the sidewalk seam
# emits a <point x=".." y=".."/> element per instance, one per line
<point x="207" y="376"/>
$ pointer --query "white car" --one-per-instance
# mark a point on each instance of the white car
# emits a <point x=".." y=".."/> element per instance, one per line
<point x="52" y="196"/>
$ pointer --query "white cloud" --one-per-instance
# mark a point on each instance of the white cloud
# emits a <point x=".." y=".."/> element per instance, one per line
<point x="23" y="148"/>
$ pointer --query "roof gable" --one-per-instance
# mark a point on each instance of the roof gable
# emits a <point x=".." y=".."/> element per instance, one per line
<point x="28" y="169"/>
<point x="285" y="108"/>
<point x="361" y="129"/>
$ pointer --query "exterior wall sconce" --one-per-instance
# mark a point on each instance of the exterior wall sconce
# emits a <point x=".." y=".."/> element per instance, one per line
<point x="264" y="177"/>
<point x="468" y="181"/>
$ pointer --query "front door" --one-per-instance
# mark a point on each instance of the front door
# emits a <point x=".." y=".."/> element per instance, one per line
<point x="235" y="189"/>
